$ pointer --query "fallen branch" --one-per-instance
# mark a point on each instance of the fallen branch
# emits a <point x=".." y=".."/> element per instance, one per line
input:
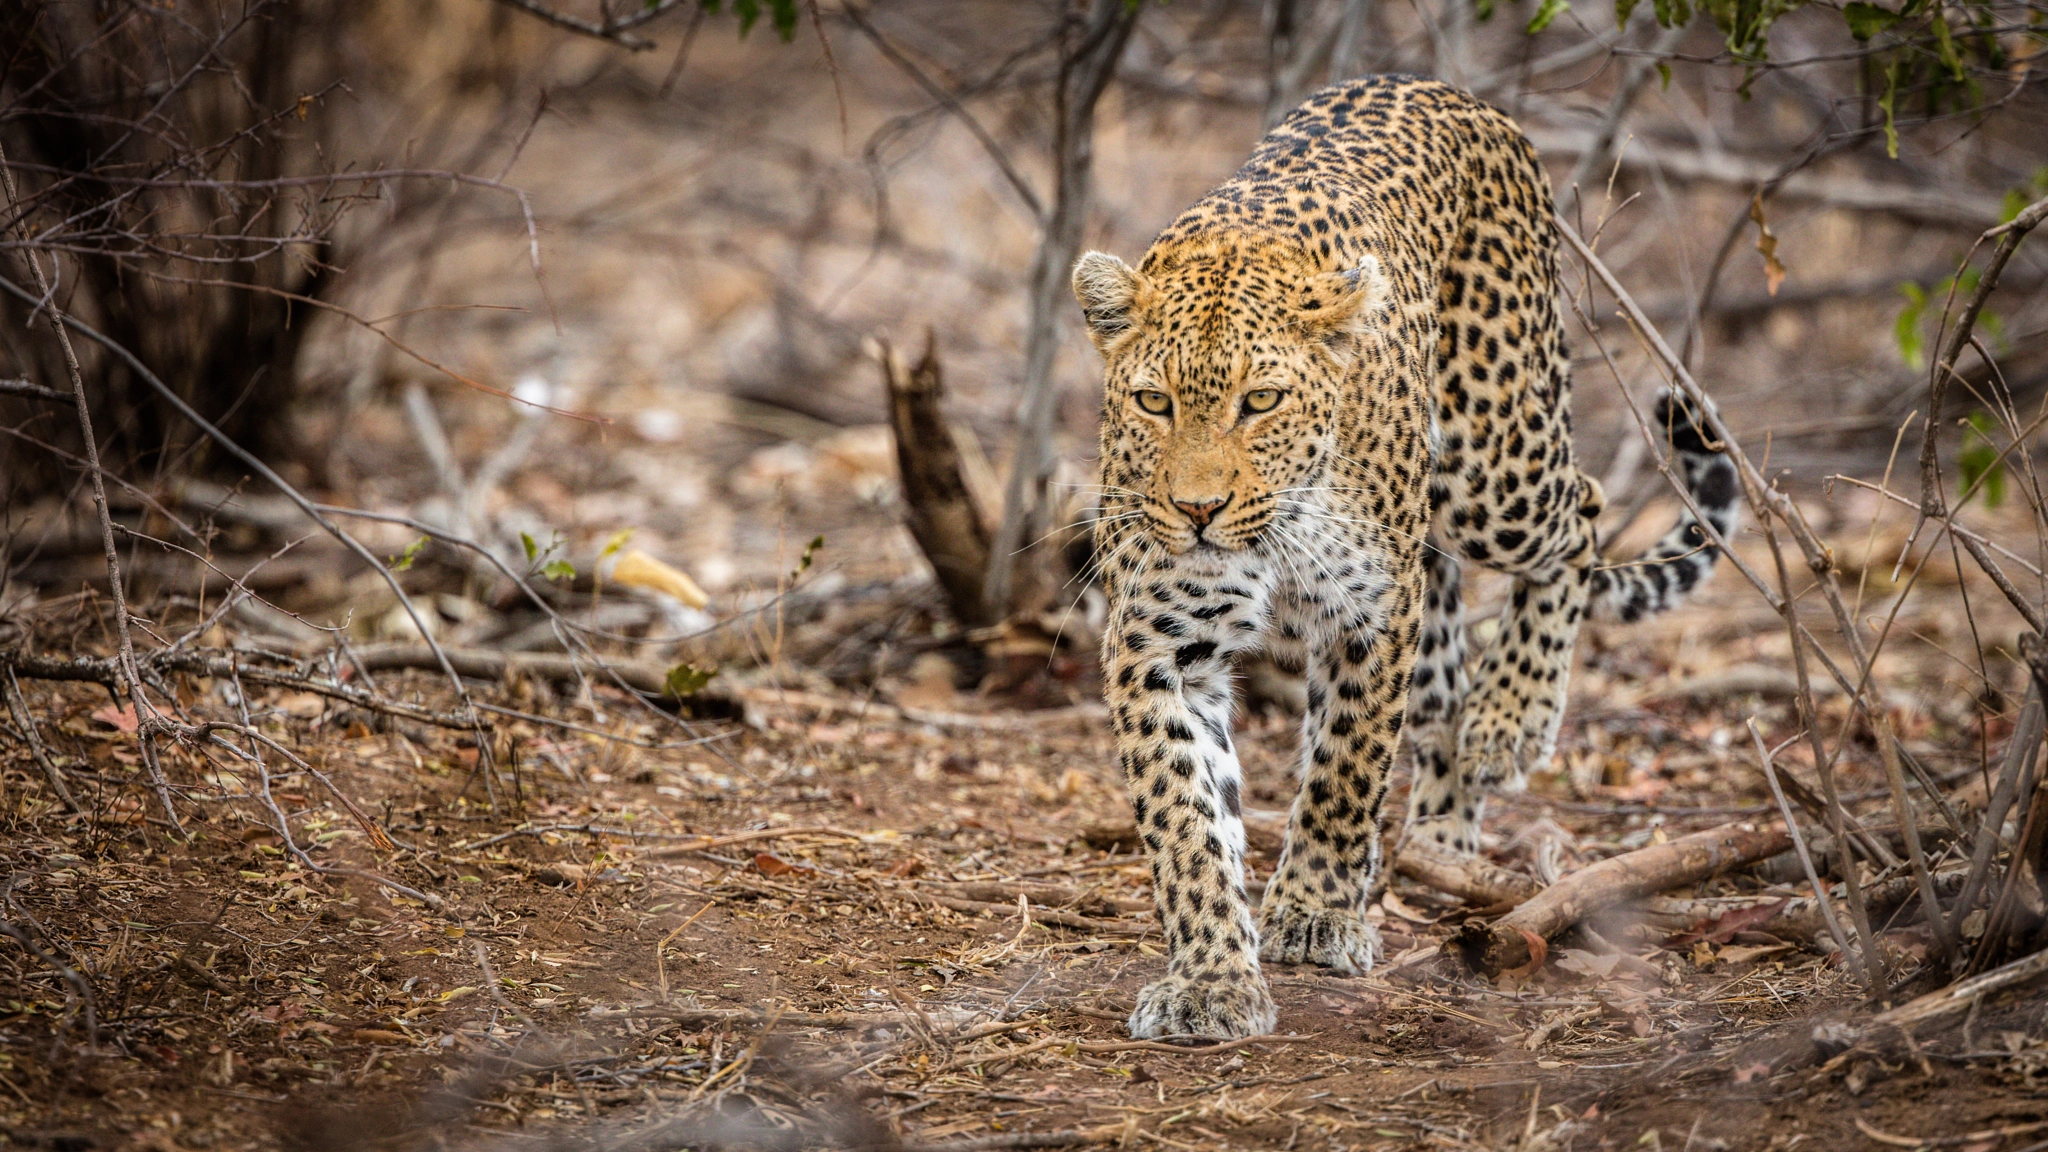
<point x="93" y="670"/>
<point x="1050" y="895"/>
<point x="1466" y="877"/>
<point x="707" y="843"/>
<point x="1002" y="1142"/>
<point x="755" y="1017"/>
<point x="489" y="664"/>
<point x="1956" y="999"/>
<point x="1197" y="1046"/>
<point x="1039" y="915"/>
<point x="1493" y="948"/>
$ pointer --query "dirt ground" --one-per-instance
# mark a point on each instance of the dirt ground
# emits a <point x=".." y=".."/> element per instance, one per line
<point x="898" y="918"/>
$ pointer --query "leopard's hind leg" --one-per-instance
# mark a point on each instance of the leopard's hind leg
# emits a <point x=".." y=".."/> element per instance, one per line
<point x="1440" y="810"/>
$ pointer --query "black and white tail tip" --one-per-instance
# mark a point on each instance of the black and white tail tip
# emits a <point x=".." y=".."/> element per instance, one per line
<point x="1684" y="557"/>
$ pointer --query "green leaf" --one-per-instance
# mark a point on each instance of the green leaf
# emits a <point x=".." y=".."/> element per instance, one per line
<point x="1485" y="9"/>
<point x="748" y="11"/>
<point x="532" y="549"/>
<point x="1906" y="328"/>
<point x="1867" y="20"/>
<point x="617" y="541"/>
<point x="803" y="563"/>
<point x="403" y="560"/>
<point x="1664" y="75"/>
<point x="1947" y="47"/>
<point x="1672" y="13"/>
<point x="1887" y="102"/>
<point x="1547" y="11"/>
<point x="686" y="680"/>
<point x="784" y="13"/>
<point x="1623" y="9"/>
<point x="1979" y="460"/>
<point x="558" y="570"/>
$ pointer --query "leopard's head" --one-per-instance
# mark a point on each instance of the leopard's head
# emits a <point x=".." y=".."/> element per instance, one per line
<point x="1225" y="368"/>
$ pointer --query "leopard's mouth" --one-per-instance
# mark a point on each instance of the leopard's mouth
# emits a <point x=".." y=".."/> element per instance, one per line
<point x="1239" y="533"/>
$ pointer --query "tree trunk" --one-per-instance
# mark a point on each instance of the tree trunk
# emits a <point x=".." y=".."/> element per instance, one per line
<point x="1089" y="51"/>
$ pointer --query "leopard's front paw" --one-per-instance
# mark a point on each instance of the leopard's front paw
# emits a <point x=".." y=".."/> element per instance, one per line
<point x="1225" y="1007"/>
<point x="1338" y="939"/>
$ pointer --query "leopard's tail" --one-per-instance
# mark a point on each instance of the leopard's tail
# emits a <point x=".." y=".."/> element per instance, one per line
<point x="1684" y="557"/>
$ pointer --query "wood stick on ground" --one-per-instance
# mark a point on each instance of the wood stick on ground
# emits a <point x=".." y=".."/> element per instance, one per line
<point x="487" y="664"/>
<point x="942" y="515"/>
<point x="1493" y="948"/>
<point x="1050" y="895"/>
<point x="707" y="843"/>
<point x="1041" y="915"/>
<point x="647" y="678"/>
<point x="199" y="663"/>
<point x="1468" y="878"/>
<point x="828" y="1021"/>
<point x="1002" y="1142"/>
<point x="1956" y="999"/>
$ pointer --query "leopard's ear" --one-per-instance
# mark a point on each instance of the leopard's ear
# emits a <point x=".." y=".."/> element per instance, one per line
<point x="1111" y="293"/>
<point x="1340" y="307"/>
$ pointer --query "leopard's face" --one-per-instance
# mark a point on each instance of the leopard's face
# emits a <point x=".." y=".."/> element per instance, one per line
<point x="1224" y="370"/>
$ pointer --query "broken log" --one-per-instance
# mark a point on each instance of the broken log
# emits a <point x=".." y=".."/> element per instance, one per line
<point x="1957" y="999"/>
<point x="937" y="495"/>
<point x="1468" y="878"/>
<point x="1490" y="949"/>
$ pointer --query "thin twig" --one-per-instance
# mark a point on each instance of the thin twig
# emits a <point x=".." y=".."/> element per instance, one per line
<point x="17" y="707"/>
<point x="1820" y="891"/>
<point x="269" y="474"/>
<point x="144" y="711"/>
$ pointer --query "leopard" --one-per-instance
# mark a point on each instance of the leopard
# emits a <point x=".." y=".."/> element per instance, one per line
<point x="1328" y="385"/>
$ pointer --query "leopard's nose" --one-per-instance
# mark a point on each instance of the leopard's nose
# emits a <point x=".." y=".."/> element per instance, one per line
<point x="1200" y="512"/>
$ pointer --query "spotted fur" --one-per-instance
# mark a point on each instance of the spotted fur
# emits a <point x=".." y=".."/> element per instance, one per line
<point x="1329" y="382"/>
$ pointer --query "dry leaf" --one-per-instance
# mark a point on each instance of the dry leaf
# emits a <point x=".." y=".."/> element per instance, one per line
<point x="380" y="1036"/>
<point x="769" y="864"/>
<point x="636" y="569"/>
<point x="1588" y="963"/>
<point x="304" y="705"/>
<point x="1392" y="903"/>
<point x="1723" y="928"/>
<point x="1539" y="951"/>
<point x="1749" y="1072"/>
<point x="1738" y="953"/>
<point x="122" y="719"/>
<point x="1767" y="243"/>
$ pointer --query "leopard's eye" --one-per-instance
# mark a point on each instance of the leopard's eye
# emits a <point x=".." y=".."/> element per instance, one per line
<point x="1261" y="399"/>
<point x="1155" y="402"/>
